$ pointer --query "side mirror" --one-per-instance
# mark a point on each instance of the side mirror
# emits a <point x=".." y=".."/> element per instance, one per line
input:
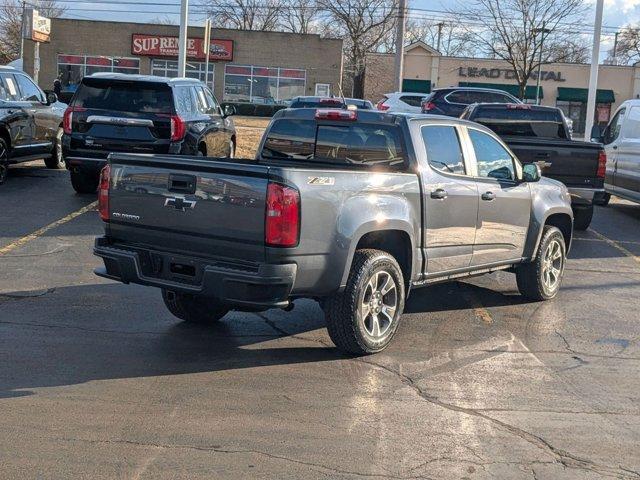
<point x="51" y="98"/>
<point x="596" y="134"/>
<point x="228" y="110"/>
<point x="531" y="172"/>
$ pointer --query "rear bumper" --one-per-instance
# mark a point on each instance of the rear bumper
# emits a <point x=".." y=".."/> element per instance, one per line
<point x="257" y="286"/>
<point x="83" y="164"/>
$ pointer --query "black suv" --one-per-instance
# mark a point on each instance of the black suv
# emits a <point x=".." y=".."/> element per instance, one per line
<point x="141" y="114"/>
<point x="452" y="101"/>
<point x="30" y="122"/>
<point x="330" y="102"/>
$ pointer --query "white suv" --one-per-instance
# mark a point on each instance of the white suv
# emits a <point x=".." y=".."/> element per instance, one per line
<point x="401" y="102"/>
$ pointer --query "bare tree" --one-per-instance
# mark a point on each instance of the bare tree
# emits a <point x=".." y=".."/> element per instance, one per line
<point x="244" y="14"/>
<point x="568" y="50"/>
<point x="512" y="30"/>
<point x="11" y="25"/>
<point x="627" y="48"/>
<point x="363" y="25"/>
<point x="300" y="16"/>
<point x="164" y="20"/>
<point x="455" y="41"/>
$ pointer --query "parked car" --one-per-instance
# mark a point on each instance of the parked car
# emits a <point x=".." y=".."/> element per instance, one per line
<point x="452" y="101"/>
<point x="621" y="139"/>
<point x="401" y="102"/>
<point x="113" y="112"/>
<point x="30" y="122"/>
<point x="330" y="102"/>
<point x="540" y="135"/>
<point x="352" y="208"/>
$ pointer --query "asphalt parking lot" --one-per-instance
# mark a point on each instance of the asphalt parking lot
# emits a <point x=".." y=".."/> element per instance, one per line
<point x="98" y="380"/>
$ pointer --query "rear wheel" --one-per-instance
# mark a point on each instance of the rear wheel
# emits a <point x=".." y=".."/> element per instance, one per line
<point x="582" y="217"/>
<point x="364" y="317"/>
<point x="83" y="182"/>
<point x="541" y="278"/>
<point x="56" y="161"/>
<point x="193" y="308"/>
<point x="4" y="160"/>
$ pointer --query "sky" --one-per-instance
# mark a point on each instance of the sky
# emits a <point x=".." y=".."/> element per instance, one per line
<point x="617" y="13"/>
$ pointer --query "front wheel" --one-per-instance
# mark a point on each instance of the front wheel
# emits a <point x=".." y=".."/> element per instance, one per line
<point x="364" y="317"/>
<point x="4" y="160"/>
<point x="541" y="278"/>
<point x="83" y="182"/>
<point x="56" y="160"/>
<point x="193" y="308"/>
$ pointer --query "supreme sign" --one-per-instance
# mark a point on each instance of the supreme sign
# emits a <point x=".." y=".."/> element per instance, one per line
<point x="166" y="46"/>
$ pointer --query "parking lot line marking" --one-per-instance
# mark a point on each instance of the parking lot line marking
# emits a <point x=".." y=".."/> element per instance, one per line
<point x="615" y="245"/>
<point x="41" y="231"/>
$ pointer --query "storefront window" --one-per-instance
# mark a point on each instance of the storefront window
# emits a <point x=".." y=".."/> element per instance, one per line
<point x="577" y="113"/>
<point x="71" y="68"/>
<point x="267" y="85"/>
<point x="169" y="68"/>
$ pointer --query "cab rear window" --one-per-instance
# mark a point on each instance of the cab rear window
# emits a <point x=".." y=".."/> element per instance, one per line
<point x="367" y="145"/>
<point x="522" y="122"/>
<point x="124" y="96"/>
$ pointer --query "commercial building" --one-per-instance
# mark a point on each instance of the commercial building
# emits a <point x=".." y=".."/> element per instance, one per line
<point x="563" y="85"/>
<point x="245" y="66"/>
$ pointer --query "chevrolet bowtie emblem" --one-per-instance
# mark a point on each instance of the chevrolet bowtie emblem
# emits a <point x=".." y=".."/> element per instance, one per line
<point x="179" y="203"/>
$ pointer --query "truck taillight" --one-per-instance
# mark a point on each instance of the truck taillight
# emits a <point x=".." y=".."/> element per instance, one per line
<point x="282" y="217"/>
<point x="67" y="118"/>
<point x="602" y="164"/>
<point x="103" y="193"/>
<point x="336" y="114"/>
<point x="381" y="106"/>
<point x="178" y="128"/>
<point x="428" y="106"/>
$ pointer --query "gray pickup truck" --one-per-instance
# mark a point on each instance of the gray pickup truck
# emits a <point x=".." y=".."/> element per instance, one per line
<point x="351" y="208"/>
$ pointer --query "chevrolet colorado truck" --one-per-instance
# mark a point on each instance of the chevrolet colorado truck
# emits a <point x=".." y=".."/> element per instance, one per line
<point x="540" y="135"/>
<point x="352" y="208"/>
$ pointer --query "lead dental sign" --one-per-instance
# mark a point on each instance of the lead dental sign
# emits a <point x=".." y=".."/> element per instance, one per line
<point x="165" y="46"/>
<point x="475" y="72"/>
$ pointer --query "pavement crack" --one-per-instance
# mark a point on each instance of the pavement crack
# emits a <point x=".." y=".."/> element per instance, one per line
<point x="28" y="294"/>
<point x="566" y="459"/>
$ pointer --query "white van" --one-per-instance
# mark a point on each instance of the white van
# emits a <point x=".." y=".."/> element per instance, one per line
<point x="621" y="139"/>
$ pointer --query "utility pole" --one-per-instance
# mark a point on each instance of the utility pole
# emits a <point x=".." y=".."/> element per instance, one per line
<point x="615" y="48"/>
<point x="542" y="31"/>
<point x="402" y="20"/>
<point x="440" y="25"/>
<point x="207" y="48"/>
<point x="22" y="35"/>
<point x="182" y="40"/>
<point x="593" y="74"/>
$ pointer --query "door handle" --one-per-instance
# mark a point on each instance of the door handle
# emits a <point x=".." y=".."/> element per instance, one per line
<point x="615" y="147"/>
<point x="439" y="194"/>
<point x="488" y="196"/>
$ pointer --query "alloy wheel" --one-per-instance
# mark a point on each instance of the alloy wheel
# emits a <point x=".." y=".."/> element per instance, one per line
<point x="552" y="266"/>
<point x="379" y="304"/>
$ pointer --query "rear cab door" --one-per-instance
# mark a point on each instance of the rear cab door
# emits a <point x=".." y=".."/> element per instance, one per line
<point x="119" y="115"/>
<point x="44" y="125"/>
<point x="216" y="134"/>
<point x="611" y="139"/>
<point x="15" y="116"/>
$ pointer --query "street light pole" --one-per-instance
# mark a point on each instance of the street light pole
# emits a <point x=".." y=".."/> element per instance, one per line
<point x="207" y="47"/>
<point x="182" y="40"/>
<point x="543" y="31"/>
<point x="593" y="74"/>
<point x="402" y="12"/>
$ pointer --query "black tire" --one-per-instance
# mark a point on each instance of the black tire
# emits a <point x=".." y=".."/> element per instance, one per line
<point x="4" y="160"/>
<point x="531" y="276"/>
<point x="347" y="327"/>
<point x="582" y="217"/>
<point x="602" y="200"/>
<point x="56" y="160"/>
<point x="192" y="308"/>
<point x="84" y="182"/>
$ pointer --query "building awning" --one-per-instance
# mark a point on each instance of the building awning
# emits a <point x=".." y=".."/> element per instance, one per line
<point x="568" y="94"/>
<point x="418" y="86"/>
<point x="529" y="93"/>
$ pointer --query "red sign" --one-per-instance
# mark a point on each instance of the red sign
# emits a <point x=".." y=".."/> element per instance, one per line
<point x="163" y="46"/>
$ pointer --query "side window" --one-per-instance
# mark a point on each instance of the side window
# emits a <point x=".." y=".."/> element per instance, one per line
<point x="214" y="107"/>
<point x="443" y="148"/>
<point x="184" y="100"/>
<point x="8" y="89"/>
<point x="632" y="125"/>
<point x="613" y="129"/>
<point x="412" y="100"/>
<point x="201" y="100"/>
<point x="493" y="160"/>
<point x="29" y="92"/>
<point x="458" y="97"/>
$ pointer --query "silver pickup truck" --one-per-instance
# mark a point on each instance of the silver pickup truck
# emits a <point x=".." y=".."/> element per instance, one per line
<point x="352" y="208"/>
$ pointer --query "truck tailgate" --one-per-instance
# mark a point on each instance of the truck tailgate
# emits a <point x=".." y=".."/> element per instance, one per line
<point x="189" y="205"/>
<point x="573" y="163"/>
